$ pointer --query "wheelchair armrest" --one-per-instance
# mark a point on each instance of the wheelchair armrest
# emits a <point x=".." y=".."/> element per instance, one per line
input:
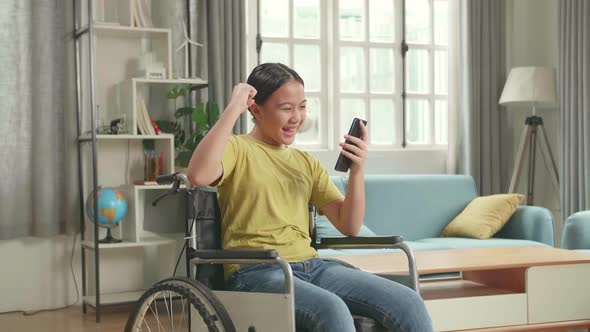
<point x="247" y="256"/>
<point x="374" y="242"/>
<point x="359" y="242"/>
<point x="236" y="254"/>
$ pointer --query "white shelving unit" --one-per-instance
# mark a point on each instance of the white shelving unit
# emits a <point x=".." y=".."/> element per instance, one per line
<point x="88" y="137"/>
<point x="142" y="242"/>
<point x="109" y="81"/>
<point x="136" y="87"/>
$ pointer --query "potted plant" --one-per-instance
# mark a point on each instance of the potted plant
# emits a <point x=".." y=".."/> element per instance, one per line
<point x="190" y="126"/>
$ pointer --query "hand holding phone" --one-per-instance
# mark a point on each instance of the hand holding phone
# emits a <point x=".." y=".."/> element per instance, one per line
<point x="343" y="162"/>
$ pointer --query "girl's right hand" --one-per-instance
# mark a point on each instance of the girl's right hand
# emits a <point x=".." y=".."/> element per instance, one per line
<point x="243" y="96"/>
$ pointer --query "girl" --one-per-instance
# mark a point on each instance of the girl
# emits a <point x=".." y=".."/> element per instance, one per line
<point x="264" y="188"/>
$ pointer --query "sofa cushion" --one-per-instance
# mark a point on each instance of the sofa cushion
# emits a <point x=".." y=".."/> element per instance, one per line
<point x="483" y="217"/>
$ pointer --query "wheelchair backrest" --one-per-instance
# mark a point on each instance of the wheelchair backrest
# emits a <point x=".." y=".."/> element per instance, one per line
<point x="204" y="209"/>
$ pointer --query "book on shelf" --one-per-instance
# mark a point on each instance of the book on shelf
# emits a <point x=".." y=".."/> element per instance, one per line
<point x="145" y="122"/>
<point x="153" y="165"/>
<point x="134" y="17"/>
<point x="148" y="119"/>
<point x="142" y="13"/>
<point x="143" y="130"/>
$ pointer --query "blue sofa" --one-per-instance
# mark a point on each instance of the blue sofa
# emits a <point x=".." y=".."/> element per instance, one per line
<point x="418" y="207"/>
<point x="576" y="232"/>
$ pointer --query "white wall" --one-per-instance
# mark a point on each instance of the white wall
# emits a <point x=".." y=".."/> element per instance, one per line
<point x="531" y="32"/>
<point x="36" y="273"/>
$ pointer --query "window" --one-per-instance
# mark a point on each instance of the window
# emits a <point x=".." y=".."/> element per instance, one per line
<point x="349" y="54"/>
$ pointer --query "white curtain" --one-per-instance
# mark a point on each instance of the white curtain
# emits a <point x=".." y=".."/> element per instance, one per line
<point x="38" y="146"/>
<point x="227" y="53"/>
<point x="574" y="91"/>
<point x="456" y="75"/>
<point x="476" y="77"/>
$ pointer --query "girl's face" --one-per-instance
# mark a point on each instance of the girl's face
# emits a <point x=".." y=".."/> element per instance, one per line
<point x="281" y="116"/>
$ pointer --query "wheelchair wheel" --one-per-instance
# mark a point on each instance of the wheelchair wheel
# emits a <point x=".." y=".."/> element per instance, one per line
<point x="179" y="304"/>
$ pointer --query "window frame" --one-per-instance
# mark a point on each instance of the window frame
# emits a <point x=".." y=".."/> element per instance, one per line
<point x="330" y="44"/>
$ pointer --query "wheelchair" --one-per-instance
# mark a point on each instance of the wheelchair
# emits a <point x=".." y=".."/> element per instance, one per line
<point x="199" y="302"/>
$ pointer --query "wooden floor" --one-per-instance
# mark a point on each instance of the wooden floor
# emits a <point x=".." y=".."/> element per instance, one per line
<point x="73" y="320"/>
<point x="66" y="320"/>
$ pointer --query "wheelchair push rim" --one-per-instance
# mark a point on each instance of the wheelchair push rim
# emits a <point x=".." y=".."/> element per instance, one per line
<point x="179" y="304"/>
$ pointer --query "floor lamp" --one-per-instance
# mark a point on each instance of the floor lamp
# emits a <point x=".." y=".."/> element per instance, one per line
<point x="532" y="86"/>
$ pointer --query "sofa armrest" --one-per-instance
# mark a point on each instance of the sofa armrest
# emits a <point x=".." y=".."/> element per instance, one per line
<point x="529" y="223"/>
<point x="576" y="231"/>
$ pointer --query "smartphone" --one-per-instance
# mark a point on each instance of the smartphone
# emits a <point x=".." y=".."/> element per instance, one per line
<point x="343" y="162"/>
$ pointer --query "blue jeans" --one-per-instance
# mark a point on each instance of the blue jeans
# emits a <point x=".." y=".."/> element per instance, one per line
<point x="327" y="294"/>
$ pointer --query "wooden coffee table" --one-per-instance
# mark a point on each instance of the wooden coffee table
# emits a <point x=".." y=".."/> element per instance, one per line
<point x="534" y="288"/>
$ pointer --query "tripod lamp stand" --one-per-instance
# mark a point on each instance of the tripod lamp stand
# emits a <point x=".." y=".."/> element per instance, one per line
<point x="532" y="86"/>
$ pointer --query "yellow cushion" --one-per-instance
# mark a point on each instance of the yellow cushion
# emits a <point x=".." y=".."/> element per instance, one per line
<point x="483" y="217"/>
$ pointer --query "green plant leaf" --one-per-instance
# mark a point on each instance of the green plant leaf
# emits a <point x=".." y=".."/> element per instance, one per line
<point x="183" y="111"/>
<point x="173" y="93"/>
<point x="182" y="158"/>
<point x="204" y="107"/>
<point x="200" y="117"/>
<point x="167" y="126"/>
<point x="179" y="138"/>
<point x="201" y="107"/>
<point x="184" y="90"/>
<point x="178" y="91"/>
<point x="215" y="113"/>
<point x="194" y="140"/>
<point x="148" y="144"/>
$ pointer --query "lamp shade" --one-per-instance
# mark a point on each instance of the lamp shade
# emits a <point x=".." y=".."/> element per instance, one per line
<point x="530" y="85"/>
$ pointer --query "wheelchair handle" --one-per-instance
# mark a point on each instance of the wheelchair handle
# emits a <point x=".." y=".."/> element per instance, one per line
<point x="176" y="179"/>
<point x="166" y="179"/>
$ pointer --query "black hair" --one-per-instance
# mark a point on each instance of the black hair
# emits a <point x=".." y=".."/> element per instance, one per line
<point x="266" y="78"/>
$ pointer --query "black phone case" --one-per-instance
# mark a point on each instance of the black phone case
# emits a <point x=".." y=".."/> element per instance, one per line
<point x="343" y="162"/>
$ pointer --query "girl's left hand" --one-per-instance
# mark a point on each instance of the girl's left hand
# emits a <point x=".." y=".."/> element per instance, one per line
<point x="357" y="150"/>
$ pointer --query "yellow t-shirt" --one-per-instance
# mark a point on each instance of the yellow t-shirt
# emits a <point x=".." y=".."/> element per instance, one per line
<point x="264" y="194"/>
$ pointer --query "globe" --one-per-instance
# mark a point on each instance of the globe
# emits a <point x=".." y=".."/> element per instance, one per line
<point x="112" y="208"/>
